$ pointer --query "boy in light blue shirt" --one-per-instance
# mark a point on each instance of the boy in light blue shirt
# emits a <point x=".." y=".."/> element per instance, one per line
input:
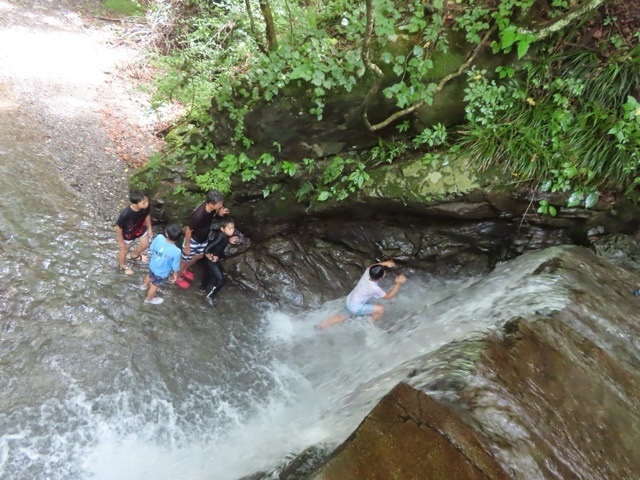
<point x="165" y="261"/>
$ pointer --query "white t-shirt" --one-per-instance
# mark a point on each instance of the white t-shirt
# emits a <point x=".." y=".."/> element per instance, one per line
<point x="363" y="291"/>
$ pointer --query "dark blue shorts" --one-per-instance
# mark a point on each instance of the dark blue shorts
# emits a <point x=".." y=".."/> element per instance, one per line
<point x="156" y="279"/>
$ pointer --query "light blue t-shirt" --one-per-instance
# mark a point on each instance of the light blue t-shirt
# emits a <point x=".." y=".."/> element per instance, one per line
<point x="165" y="257"/>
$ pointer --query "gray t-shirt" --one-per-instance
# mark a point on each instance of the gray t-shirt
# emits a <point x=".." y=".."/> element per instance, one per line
<point x="363" y="291"/>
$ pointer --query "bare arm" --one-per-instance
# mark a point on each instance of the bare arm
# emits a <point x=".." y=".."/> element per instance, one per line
<point x="149" y="226"/>
<point x="386" y="263"/>
<point x="187" y="241"/>
<point x="120" y="237"/>
<point x="400" y="279"/>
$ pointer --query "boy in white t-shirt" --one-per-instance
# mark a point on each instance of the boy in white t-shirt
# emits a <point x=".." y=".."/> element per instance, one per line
<point x="357" y="303"/>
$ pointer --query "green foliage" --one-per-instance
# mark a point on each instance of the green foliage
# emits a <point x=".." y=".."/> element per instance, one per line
<point x="571" y="119"/>
<point x="546" y="209"/>
<point x="124" y="7"/>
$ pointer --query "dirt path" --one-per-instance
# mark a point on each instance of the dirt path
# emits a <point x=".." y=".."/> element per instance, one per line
<point x="71" y="75"/>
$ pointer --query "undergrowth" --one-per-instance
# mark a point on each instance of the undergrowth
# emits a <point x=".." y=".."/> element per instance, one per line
<point x="563" y="117"/>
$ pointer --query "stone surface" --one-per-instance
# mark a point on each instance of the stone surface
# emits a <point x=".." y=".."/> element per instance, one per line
<point x="410" y="436"/>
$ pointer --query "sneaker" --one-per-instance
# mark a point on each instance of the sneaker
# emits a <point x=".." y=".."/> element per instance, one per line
<point x="144" y="287"/>
<point x="202" y="290"/>
<point x="187" y="275"/>
<point x="182" y="283"/>
<point x="210" y="301"/>
<point x="154" y="301"/>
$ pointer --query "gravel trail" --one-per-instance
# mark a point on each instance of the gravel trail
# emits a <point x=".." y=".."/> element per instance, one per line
<point x="70" y="73"/>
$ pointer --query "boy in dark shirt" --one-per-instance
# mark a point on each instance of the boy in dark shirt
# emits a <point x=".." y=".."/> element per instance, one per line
<point x="133" y="222"/>
<point x="197" y="232"/>
<point x="214" y="252"/>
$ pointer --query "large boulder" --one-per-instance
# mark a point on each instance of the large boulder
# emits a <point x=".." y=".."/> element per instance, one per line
<point x="410" y="436"/>
<point x="551" y="392"/>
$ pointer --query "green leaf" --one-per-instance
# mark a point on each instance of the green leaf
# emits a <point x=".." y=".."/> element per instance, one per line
<point x="323" y="196"/>
<point x="523" y="48"/>
<point x="591" y="199"/>
<point x="574" y="199"/>
<point x="508" y="37"/>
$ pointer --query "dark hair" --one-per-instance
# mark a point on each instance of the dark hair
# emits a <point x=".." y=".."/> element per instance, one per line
<point x="376" y="272"/>
<point x="136" y="196"/>
<point x="224" y="221"/>
<point x="174" y="232"/>
<point x="214" y="196"/>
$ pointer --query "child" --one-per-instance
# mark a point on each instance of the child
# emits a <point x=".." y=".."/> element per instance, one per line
<point x="132" y="223"/>
<point x="214" y="252"/>
<point x="165" y="260"/>
<point x="367" y="288"/>
<point x="196" y="233"/>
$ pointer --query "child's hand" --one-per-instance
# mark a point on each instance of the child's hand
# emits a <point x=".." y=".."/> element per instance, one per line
<point x="234" y="240"/>
<point x="223" y="211"/>
<point x="174" y="278"/>
<point x="401" y="279"/>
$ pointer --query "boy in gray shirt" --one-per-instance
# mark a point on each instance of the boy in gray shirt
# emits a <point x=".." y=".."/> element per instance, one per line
<point x="357" y="303"/>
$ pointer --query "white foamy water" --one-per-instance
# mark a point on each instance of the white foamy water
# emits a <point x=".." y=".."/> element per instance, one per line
<point x="317" y="387"/>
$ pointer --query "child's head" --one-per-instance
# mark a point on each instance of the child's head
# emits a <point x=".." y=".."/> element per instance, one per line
<point x="138" y="197"/>
<point x="173" y="232"/>
<point x="216" y="199"/>
<point x="227" y="226"/>
<point x="376" y="272"/>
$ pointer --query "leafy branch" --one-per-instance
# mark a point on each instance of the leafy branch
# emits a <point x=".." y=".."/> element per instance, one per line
<point x="376" y="86"/>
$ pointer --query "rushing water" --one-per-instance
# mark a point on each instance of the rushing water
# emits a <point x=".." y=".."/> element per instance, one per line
<point x="97" y="385"/>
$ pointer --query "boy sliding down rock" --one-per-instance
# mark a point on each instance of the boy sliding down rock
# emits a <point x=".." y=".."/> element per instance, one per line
<point x="357" y="303"/>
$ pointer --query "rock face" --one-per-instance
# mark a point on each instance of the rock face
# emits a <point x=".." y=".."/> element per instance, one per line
<point x="316" y="260"/>
<point x="410" y="436"/>
<point x="445" y="219"/>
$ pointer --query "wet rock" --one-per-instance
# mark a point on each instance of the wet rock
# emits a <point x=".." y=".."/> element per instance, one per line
<point x="620" y="249"/>
<point x="551" y="393"/>
<point x="409" y="435"/>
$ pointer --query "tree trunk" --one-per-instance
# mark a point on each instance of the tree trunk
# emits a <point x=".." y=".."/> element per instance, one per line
<point x="272" y="40"/>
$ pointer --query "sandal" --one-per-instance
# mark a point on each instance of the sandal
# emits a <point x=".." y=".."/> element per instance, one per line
<point x="140" y="258"/>
<point x="126" y="270"/>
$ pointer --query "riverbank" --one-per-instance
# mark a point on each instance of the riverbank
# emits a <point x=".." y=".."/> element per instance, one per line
<point x="77" y="82"/>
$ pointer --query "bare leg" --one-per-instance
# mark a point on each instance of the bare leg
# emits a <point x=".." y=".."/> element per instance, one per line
<point x="122" y="255"/>
<point x="378" y="311"/>
<point x="332" y="321"/>
<point x="147" y="281"/>
<point x="152" y="291"/>
<point x="184" y="265"/>
<point x="142" y="246"/>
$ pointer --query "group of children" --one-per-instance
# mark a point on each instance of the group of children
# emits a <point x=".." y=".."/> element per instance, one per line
<point x="169" y="262"/>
